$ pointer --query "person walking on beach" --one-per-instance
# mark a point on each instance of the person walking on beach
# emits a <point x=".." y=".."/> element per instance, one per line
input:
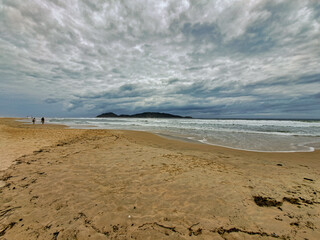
<point x="33" y="120"/>
<point x="42" y="120"/>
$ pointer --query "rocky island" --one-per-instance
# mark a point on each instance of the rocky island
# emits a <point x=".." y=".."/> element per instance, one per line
<point x="141" y="115"/>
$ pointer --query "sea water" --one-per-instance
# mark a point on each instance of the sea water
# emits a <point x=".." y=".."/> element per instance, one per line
<point x="251" y="135"/>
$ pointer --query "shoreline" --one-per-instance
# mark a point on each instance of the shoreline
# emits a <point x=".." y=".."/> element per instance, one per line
<point x="312" y="149"/>
<point x="255" y="141"/>
<point x="172" y="137"/>
<point x="118" y="184"/>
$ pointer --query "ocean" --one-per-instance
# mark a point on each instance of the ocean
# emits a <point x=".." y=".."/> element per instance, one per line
<point x="250" y="135"/>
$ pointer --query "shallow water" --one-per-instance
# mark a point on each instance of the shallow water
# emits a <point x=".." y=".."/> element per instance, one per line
<point x="253" y="135"/>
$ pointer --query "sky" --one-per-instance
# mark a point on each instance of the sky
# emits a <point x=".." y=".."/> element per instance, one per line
<point x="206" y="59"/>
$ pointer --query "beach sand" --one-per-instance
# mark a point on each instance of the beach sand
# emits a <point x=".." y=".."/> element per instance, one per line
<point x="60" y="183"/>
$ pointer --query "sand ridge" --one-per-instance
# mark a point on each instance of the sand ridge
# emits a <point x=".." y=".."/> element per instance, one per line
<point x="112" y="184"/>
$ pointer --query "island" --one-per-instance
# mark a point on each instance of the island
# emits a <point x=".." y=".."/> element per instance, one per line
<point x="141" y="115"/>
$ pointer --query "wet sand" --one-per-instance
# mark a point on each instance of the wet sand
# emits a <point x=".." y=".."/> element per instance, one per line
<point x="60" y="183"/>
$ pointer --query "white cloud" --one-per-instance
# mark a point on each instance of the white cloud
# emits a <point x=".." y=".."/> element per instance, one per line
<point x="81" y="51"/>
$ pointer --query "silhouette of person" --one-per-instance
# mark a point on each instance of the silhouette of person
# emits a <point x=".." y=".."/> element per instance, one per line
<point x="33" y="120"/>
<point x="42" y="120"/>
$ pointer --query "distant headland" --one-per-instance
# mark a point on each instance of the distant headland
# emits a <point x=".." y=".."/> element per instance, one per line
<point x="141" y="115"/>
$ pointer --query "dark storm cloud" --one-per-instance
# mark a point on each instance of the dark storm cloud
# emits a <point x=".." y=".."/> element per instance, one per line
<point x="206" y="58"/>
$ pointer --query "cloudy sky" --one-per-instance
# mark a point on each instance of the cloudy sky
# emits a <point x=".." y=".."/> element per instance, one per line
<point x="218" y="58"/>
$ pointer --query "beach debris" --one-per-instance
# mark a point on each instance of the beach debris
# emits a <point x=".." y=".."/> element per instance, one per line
<point x="279" y="164"/>
<point x="3" y="212"/>
<point x="194" y="232"/>
<point x="115" y="228"/>
<point x="222" y="231"/>
<point x="308" y="179"/>
<point x="306" y="200"/>
<point x="278" y="218"/>
<point x="310" y="225"/>
<point x="6" y="177"/>
<point x="38" y="151"/>
<point x="173" y="229"/>
<point x="266" y="201"/>
<point x="34" y="198"/>
<point x="55" y="235"/>
<point x="292" y="200"/>
<point x="129" y="216"/>
<point x="9" y="226"/>
<point x="295" y="224"/>
<point x="270" y="202"/>
<point x="48" y="226"/>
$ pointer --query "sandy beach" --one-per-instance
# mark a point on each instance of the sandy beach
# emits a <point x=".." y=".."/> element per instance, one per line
<point x="59" y="183"/>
